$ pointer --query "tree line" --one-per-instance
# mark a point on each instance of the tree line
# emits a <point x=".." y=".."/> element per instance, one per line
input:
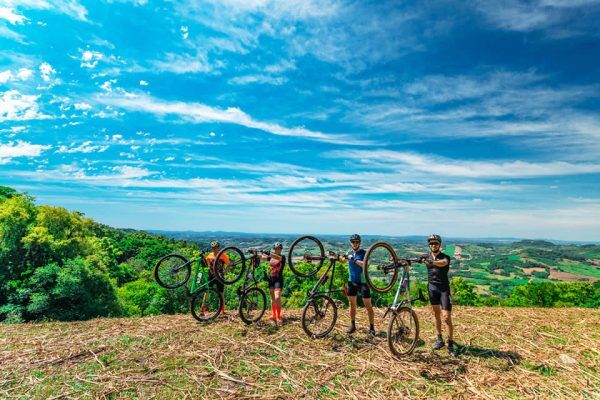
<point x="56" y="264"/>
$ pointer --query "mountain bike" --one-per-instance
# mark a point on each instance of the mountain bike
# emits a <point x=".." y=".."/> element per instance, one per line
<point x="381" y="267"/>
<point x="253" y="301"/>
<point x="174" y="270"/>
<point x="319" y="315"/>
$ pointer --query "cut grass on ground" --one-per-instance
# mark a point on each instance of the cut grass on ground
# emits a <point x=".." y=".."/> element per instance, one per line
<point x="509" y="353"/>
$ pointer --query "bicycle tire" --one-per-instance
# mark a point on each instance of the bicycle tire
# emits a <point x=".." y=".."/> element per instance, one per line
<point x="162" y="268"/>
<point x="230" y="274"/>
<point x="312" y="269"/>
<point x="314" y="305"/>
<point x="394" y="333"/>
<point x="372" y="268"/>
<point x="208" y="309"/>
<point x="248" y="304"/>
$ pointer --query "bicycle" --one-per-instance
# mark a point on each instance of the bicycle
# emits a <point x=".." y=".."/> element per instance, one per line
<point x="253" y="301"/>
<point x="381" y="268"/>
<point x="174" y="270"/>
<point x="319" y="304"/>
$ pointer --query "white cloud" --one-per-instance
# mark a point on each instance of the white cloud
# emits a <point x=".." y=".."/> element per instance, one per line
<point x="47" y="71"/>
<point x="201" y="113"/>
<point x="15" y="106"/>
<point x="12" y="150"/>
<point x="22" y="74"/>
<point x="259" y="78"/>
<point x="82" y="106"/>
<point x="143" y="83"/>
<point x="432" y="164"/>
<point x="557" y="18"/>
<point x="85" y="147"/>
<point x="184" y="32"/>
<point x="183" y="63"/>
<point x="89" y="58"/>
<point x="11" y="16"/>
<point x="72" y="8"/>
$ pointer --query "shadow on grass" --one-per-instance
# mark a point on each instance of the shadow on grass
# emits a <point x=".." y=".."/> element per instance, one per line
<point x="483" y="352"/>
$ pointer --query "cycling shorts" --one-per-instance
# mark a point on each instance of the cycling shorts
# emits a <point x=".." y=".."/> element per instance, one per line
<point x="276" y="282"/>
<point x="440" y="296"/>
<point x="353" y="289"/>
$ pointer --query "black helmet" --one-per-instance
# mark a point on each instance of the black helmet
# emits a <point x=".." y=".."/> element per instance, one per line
<point x="355" y="237"/>
<point x="278" y="245"/>
<point x="214" y="244"/>
<point x="434" y="238"/>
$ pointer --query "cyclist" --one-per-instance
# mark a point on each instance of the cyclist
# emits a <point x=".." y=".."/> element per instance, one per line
<point x="210" y="260"/>
<point x="438" y="265"/>
<point x="355" y="258"/>
<point x="276" y="262"/>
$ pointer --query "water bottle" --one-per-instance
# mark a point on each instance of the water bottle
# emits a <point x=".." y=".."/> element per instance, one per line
<point x="199" y="278"/>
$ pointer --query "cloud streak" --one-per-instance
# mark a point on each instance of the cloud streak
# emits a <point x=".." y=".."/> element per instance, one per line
<point x="202" y="113"/>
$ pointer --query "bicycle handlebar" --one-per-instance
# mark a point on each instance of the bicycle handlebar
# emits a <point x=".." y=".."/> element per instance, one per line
<point x="257" y="252"/>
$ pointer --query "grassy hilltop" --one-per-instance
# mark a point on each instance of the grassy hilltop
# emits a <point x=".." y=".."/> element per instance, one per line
<point x="511" y="353"/>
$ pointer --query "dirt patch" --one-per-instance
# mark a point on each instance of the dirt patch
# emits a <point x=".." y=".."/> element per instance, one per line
<point x="565" y="276"/>
<point x="530" y="271"/>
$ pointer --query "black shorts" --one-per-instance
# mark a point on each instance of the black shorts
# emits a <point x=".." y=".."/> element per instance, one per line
<point x="440" y="296"/>
<point x="215" y="282"/>
<point x="364" y="289"/>
<point x="276" y="282"/>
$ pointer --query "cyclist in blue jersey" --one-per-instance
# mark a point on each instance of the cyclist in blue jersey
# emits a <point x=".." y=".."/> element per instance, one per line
<point x="355" y="258"/>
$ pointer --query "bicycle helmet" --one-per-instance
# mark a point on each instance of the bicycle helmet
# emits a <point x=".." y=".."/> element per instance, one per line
<point x="355" y="237"/>
<point x="278" y="245"/>
<point x="434" y="238"/>
<point x="214" y="244"/>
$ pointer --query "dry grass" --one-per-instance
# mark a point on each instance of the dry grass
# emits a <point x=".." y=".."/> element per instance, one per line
<point x="510" y="353"/>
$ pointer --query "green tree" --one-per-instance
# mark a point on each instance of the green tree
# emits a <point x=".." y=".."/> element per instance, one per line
<point x="464" y="294"/>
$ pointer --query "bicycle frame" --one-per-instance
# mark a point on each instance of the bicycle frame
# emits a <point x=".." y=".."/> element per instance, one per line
<point x="323" y="278"/>
<point x="198" y="278"/>
<point x="403" y="290"/>
<point x="250" y="279"/>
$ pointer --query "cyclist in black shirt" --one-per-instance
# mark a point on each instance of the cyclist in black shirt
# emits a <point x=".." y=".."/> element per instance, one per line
<point x="438" y="265"/>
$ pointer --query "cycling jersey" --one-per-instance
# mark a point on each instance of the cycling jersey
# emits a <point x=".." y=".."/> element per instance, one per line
<point x="438" y="276"/>
<point x="210" y="258"/>
<point x="276" y="266"/>
<point x="355" y="270"/>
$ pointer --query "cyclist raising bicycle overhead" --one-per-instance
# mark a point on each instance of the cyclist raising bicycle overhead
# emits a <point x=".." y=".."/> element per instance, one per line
<point x="355" y="258"/>
<point x="438" y="265"/>
<point x="276" y="262"/>
<point x="210" y="260"/>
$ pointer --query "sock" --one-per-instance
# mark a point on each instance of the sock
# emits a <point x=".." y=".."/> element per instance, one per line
<point x="440" y="338"/>
<point x="278" y="310"/>
<point x="372" y="327"/>
<point x="353" y="323"/>
<point x="274" y="311"/>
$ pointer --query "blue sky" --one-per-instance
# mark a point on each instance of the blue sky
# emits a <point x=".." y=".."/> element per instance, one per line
<point x="465" y="118"/>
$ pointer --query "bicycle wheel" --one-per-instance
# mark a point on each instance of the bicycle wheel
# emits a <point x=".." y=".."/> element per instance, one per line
<point x="253" y="305"/>
<point x="206" y="304"/>
<point x="306" y="256"/>
<point x="319" y="316"/>
<point x="381" y="267"/>
<point x="232" y="272"/>
<point x="403" y="332"/>
<point x="172" y="271"/>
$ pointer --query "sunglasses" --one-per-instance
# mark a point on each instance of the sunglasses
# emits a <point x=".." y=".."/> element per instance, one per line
<point x="434" y="244"/>
<point x="355" y="241"/>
